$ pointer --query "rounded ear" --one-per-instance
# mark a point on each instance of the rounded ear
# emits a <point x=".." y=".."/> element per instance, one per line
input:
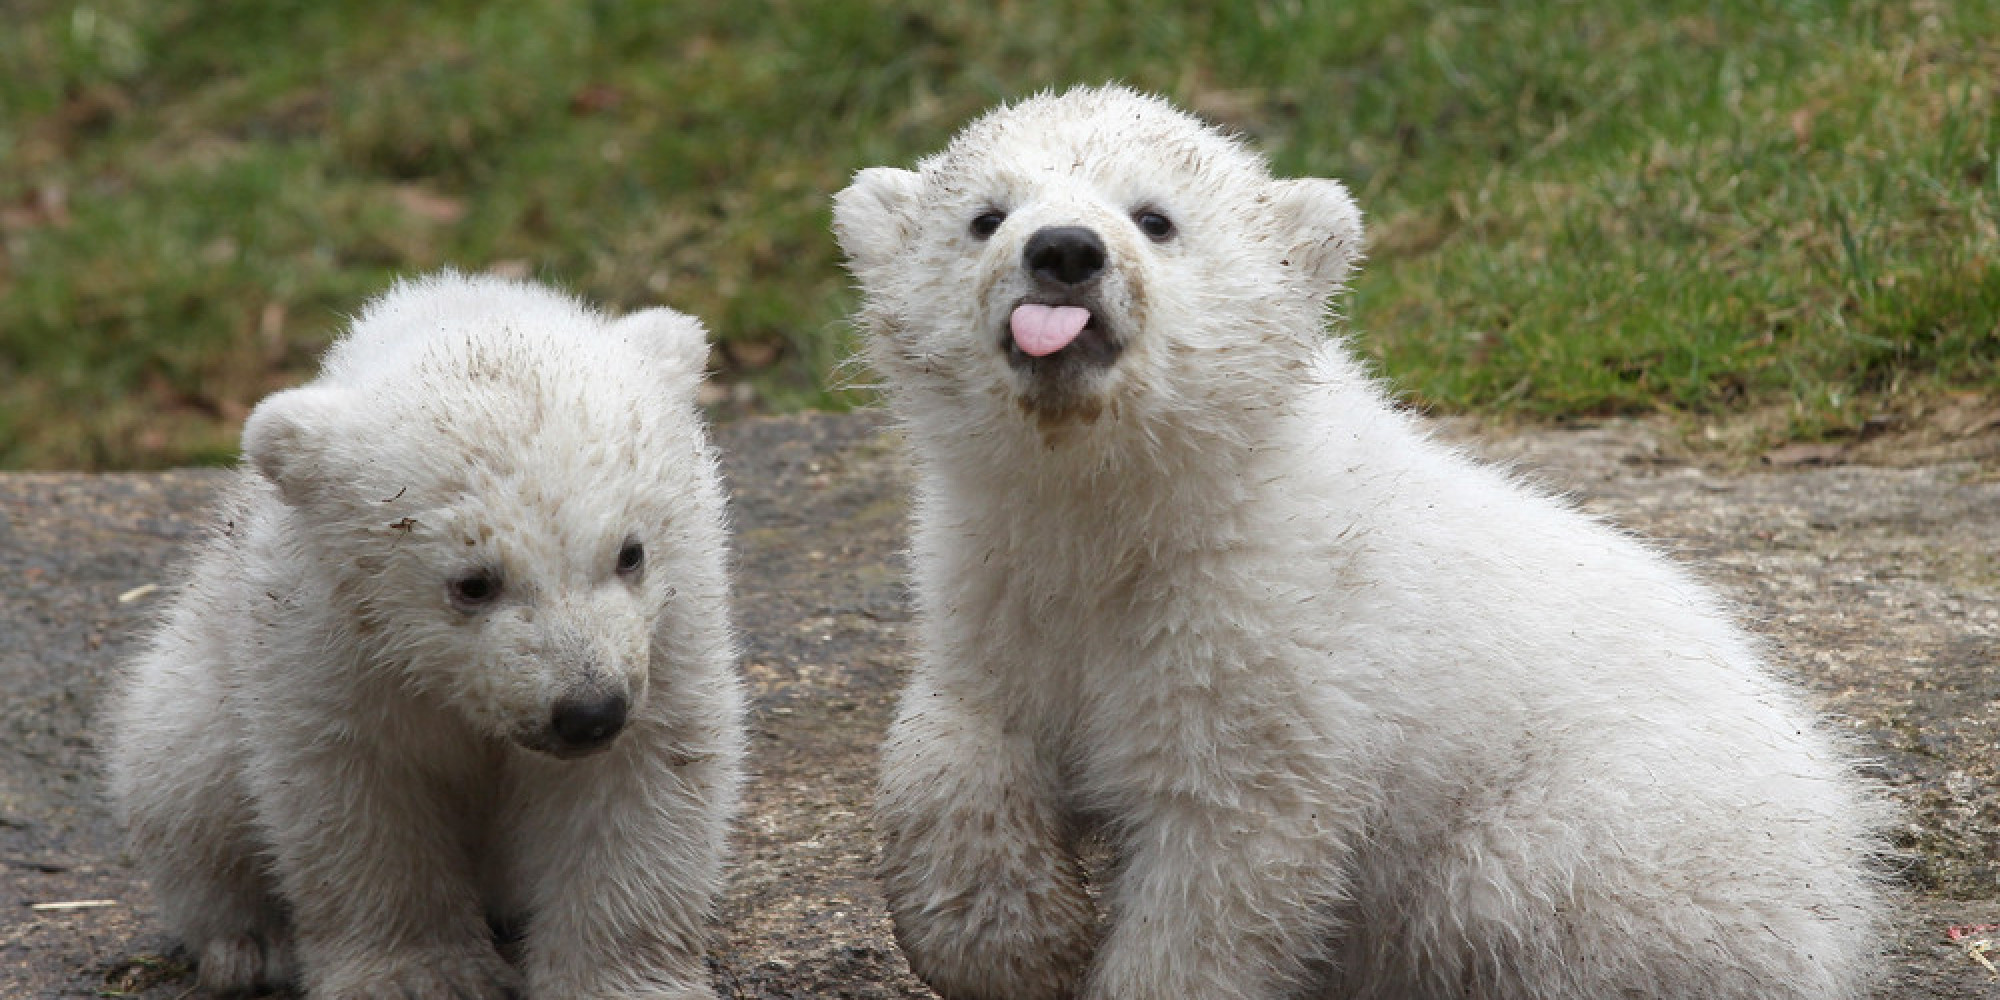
<point x="871" y="216"/>
<point x="289" y="439"/>
<point x="1323" y="225"/>
<point x="675" y="339"/>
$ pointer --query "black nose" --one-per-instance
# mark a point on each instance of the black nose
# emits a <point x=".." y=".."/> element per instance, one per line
<point x="1065" y="255"/>
<point x="588" y="723"/>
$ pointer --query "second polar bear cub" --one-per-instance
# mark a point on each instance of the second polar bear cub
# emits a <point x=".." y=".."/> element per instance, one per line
<point x="1357" y="715"/>
<point x="457" y="658"/>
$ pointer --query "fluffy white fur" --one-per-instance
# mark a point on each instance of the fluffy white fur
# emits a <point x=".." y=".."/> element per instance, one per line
<point x="1358" y="716"/>
<point x="336" y="767"/>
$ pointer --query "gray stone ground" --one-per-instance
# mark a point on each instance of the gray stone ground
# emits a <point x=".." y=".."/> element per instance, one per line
<point x="1879" y="587"/>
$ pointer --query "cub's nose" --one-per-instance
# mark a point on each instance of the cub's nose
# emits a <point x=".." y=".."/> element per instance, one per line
<point x="584" y="724"/>
<point x="1064" y="255"/>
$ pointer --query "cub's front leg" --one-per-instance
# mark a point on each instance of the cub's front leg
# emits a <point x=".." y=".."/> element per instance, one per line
<point x="1235" y="850"/>
<point x="372" y="862"/>
<point x="178" y="782"/>
<point x="1221" y="910"/>
<point x="977" y="860"/>
<point x="621" y="859"/>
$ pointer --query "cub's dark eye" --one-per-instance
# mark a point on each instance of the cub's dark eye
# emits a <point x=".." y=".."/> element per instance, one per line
<point x="631" y="558"/>
<point x="1157" y="227"/>
<point x="474" y="590"/>
<point x="987" y="223"/>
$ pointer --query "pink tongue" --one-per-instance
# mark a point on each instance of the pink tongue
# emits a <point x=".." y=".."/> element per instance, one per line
<point x="1042" y="330"/>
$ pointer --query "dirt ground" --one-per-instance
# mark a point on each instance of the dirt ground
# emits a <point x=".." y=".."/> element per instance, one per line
<point x="1878" y="586"/>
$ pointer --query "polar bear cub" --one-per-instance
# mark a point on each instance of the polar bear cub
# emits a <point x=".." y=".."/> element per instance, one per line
<point x="458" y="658"/>
<point x="1356" y="715"/>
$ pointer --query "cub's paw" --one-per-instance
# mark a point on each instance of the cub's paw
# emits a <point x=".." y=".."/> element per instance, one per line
<point x="429" y="975"/>
<point x="243" y="965"/>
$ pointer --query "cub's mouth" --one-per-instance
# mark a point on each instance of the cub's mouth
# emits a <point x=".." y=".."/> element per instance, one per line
<point x="1058" y="341"/>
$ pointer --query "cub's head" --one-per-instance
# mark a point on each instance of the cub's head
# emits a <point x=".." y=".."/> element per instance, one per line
<point x="511" y="501"/>
<point x="1089" y="255"/>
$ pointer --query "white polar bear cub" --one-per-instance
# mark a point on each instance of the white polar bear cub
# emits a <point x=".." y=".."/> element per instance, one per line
<point x="1357" y="716"/>
<point x="455" y="675"/>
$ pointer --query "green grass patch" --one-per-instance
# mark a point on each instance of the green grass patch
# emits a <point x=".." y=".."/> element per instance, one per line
<point x="1577" y="209"/>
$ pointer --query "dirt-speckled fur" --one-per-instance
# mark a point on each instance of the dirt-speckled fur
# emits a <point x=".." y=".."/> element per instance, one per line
<point x="332" y="772"/>
<point x="1359" y="716"/>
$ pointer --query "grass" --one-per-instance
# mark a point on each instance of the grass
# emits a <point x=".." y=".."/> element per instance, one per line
<point x="1701" y="208"/>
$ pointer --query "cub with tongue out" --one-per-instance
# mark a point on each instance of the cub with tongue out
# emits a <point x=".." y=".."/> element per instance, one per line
<point x="1353" y="715"/>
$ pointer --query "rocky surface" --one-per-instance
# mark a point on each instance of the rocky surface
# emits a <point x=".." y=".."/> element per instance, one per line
<point x="1879" y="587"/>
